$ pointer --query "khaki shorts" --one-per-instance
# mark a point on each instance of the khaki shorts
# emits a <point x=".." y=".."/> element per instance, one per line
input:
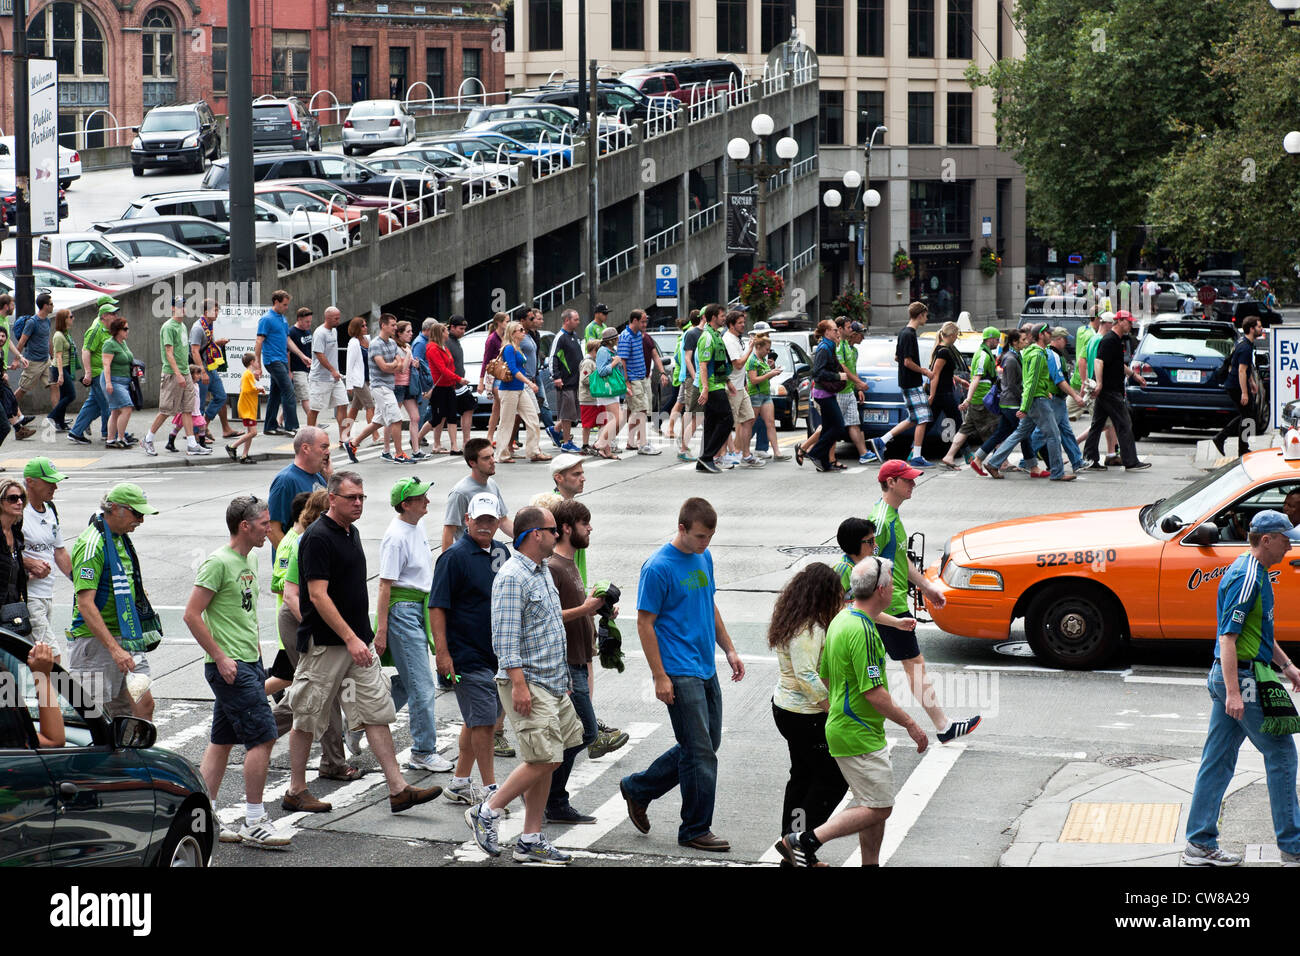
<point x="327" y="396"/>
<point x="329" y="669"/>
<point x="102" y="683"/>
<point x="638" y="396"/>
<point x="301" y="385"/>
<point x="177" y="399"/>
<point x="870" y="778"/>
<point x="742" y="409"/>
<point x="361" y="398"/>
<point x="550" y="727"/>
<point x="386" y="408"/>
<point x="34" y="376"/>
<point x="1074" y="409"/>
<point x="689" y="396"/>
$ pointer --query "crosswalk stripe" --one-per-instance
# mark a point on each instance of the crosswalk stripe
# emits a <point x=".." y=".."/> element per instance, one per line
<point x="912" y="799"/>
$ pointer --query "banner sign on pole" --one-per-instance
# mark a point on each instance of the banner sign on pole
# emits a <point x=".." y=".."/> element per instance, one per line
<point x="43" y="108"/>
<point x="742" y="222"/>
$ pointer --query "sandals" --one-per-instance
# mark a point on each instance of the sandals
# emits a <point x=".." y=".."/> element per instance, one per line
<point x="798" y="454"/>
<point x="838" y="466"/>
<point x="605" y="453"/>
<point x="230" y="450"/>
<point x="539" y="457"/>
<point x="949" y="467"/>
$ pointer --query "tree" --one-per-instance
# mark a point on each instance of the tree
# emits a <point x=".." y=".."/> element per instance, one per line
<point x="1106" y="90"/>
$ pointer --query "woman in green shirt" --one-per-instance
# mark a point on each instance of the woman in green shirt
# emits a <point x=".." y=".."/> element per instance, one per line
<point x="758" y="378"/>
<point x="62" y="368"/>
<point x="117" y="373"/>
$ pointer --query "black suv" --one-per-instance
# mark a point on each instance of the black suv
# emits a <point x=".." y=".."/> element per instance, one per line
<point x="718" y="72"/>
<point x="181" y="136"/>
<point x="284" y="124"/>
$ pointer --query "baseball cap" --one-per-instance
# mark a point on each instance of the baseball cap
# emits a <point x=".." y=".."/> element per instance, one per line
<point x="104" y="300"/>
<point x="484" y="504"/>
<point x="1106" y="317"/>
<point x="897" y="468"/>
<point x="856" y="327"/>
<point x="1123" y="315"/>
<point x="761" y="327"/>
<point x="457" y="320"/>
<point x="565" y="462"/>
<point x="408" y="488"/>
<point x="132" y="496"/>
<point x="601" y="307"/>
<point x="1060" y="333"/>
<point x="106" y="308"/>
<point x="991" y="333"/>
<point x="1272" y="522"/>
<point x="44" y="469"/>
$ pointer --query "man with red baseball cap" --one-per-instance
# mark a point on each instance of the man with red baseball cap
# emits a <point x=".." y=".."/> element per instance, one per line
<point x="897" y="482"/>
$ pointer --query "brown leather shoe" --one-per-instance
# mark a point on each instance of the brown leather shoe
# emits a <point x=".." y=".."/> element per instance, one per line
<point x="304" y="802"/>
<point x="412" y="796"/>
<point x="636" y="812"/>
<point x="708" y="841"/>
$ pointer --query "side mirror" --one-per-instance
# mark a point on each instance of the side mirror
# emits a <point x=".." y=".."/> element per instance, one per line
<point x="801" y="370"/>
<point x="133" y="733"/>
<point x="1171" y="524"/>
<point x="1204" y="536"/>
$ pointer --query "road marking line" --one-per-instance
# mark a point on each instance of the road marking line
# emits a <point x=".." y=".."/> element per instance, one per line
<point x="180" y="739"/>
<point x="913" y="798"/>
<point x="1184" y="681"/>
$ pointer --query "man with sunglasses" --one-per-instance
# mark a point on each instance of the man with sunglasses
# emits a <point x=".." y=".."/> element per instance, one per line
<point x="533" y="682"/>
<point x="96" y="651"/>
<point x="334" y="641"/>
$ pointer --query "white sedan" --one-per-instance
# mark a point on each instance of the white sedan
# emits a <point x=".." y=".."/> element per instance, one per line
<point x="371" y="124"/>
<point x="69" y="161"/>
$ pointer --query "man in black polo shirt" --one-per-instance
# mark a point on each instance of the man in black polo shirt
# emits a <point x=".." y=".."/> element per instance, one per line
<point x="334" y="641"/>
<point x="460" y="616"/>
<point x="1110" y="371"/>
<point x="1242" y="387"/>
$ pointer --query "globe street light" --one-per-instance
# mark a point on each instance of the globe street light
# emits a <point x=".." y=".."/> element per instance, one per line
<point x="1291" y="142"/>
<point x="787" y="148"/>
<point x="1288" y="10"/>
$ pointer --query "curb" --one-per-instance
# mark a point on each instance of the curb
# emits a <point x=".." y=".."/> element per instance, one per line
<point x="136" y="462"/>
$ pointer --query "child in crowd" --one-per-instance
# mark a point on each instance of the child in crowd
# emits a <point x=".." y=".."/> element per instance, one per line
<point x="588" y="410"/>
<point x="247" y="408"/>
<point x="200" y="425"/>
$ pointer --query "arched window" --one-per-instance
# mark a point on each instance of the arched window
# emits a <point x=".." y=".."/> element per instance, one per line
<point x="69" y="33"/>
<point x="159" y="38"/>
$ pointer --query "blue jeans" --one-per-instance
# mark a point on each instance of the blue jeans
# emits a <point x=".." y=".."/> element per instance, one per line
<point x="1219" y="760"/>
<point x="95" y="406"/>
<point x="282" y="393"/>
<point x="212" y="397"/>
<point x="1039" y="414"/>
<point x="1068" y="441"/>
<point x="581" y="698"/>
<point x="696" y="715"/>
<point x="414" y="681"/>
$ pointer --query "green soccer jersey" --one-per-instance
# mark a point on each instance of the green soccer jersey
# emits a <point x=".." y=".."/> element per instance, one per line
<point x="93" y="342"/>
<point x="173" y="334"/>
<point x="848" y="356"/>
<point x="1082" y="339"/>
<point x="986" y="367"/>
<point x="711" y="354"/>
<point x="853" y="662"/>
<point x="284" y="553"/>
<point x="231" y="615"/>
<point x="891" y="544"/>
<point x="593" y="331"/>
<point x="87" y="569"/>
<point x="845" y="570"/>
<point x="755" y="364"/>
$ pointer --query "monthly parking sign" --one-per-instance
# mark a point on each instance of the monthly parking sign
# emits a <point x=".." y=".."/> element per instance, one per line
<point x="666" y="285"/>
<point x="1285" y="372"/>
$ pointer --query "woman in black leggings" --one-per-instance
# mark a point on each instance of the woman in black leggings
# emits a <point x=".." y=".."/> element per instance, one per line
<point x="828" y="377"/>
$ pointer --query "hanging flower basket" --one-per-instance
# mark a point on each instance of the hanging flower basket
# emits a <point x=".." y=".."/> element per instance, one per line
<point x="903" y="267"/>
<point x="853" y="304"/>
<point x="761" y="291"/>
<point x="990" y="262"/>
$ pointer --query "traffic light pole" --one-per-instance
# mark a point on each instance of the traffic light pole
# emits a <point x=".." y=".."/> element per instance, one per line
<point x="24" y="282"/>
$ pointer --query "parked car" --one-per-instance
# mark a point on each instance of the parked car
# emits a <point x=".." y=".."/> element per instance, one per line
<point x="1234" y="310"/>
<point x="613" y="98"/>
<point x="1172" y="295"/>
<point x="293" y="198"/>
<point x="884" y="407"/>
<point x="407" y="213"/>
<point x="69" y="161"/>
<point x="371" y="124"/>
<point x="9" y="199"/>
<point x="1227" y="283"/>
<point x="155" y="244"/>
<point x="181" y="136"/>
<point x="352" y="174"/>
<point x="284" y="123"/>
<point x="52" y="277"/>
<point x="684" y="80"/>
<point x="193" y="232"/>
<point x="107" y="797"/>
<point x="498" y="175"/>
<point x="531" y="133"/>
<point x="1067" y="311"/>
<point x="1184" y="367"/>
<point x="489" y="147"/>
<point x="92" y="256"/>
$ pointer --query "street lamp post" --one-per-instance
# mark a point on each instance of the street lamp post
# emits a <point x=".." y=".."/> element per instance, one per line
<point x="1291" y="142"/>
<point x="1288" y="10"/>
<point x="786" y="150"/>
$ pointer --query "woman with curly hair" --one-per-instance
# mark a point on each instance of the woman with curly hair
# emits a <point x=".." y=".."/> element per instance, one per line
<point x="803" y="611"/>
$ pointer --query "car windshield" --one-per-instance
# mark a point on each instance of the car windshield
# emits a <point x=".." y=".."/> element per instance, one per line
<point x="264" y="113"/>
<point x="1197" y="499"/>
<point x="362" y="110"/>
<point x="169" y="123"/>
<point x="1190" y="342"/>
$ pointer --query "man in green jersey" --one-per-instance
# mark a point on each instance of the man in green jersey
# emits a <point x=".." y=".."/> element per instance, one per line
<point x="854" y="389"/>
<point x="853" y="669"/>
<point x="222" y="616"/>
<point x="979" y="422"/>
<point x="897" y="482"/>
<point x="92" y="365"/>
<point x="713" y="368"/>
<point x="596" y="327"/>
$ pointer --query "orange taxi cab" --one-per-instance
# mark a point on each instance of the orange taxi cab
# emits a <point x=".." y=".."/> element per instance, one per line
<point x="1086" y="580"/>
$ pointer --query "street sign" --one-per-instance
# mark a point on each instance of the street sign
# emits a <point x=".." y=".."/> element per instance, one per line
<point x="1284" y="356"/>
<point x="1206" y="295"/>
<point x="986" y="227"/>
<point x="43" y="109"/>
<point x="1051" y="256"/>
<point x="1075" y="259"/>
<point x="238" y="323"/>
<point x="666" y="285"/>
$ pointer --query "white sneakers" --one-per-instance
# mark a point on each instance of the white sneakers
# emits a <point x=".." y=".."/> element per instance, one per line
<point x="430" y="762"/>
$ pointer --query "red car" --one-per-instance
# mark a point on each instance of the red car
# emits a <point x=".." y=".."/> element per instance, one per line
<point x="290" y="197"/>
<point x="400" y="213"/>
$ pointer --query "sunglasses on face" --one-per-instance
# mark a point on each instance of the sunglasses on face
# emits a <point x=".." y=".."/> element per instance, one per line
<point x="13" y="499"/>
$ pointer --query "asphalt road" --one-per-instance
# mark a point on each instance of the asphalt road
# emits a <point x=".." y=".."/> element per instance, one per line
<point x="963" y="801"/>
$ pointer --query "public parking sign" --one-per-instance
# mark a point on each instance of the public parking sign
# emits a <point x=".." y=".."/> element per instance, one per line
<point x="666" y="285"/>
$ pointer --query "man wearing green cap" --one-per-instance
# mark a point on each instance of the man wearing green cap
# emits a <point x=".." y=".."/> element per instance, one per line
<point x="113" y="625"/>
<point x="43" y="549"/>
<point x="1035" y="409"/>
<point x="405" y="577"/>
<point x="979" y="422"/>
<point x="92" y="366"/>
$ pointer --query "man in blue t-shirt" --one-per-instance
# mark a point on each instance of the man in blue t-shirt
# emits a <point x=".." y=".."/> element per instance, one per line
<point x="679" y="624"/>
<point x="272" y="353"/>
<point x="1246" y="652"/>
<point x="309" y="470"/>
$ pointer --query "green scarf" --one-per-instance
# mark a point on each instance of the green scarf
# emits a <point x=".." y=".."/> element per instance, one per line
<point x="1280" y="716"/>
<point x="398" y="595"/>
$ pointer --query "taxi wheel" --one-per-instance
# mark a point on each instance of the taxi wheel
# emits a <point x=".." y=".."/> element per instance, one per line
<point x="1072" y="628"/>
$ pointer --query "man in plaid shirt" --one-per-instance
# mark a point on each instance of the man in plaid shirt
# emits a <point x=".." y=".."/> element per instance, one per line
<point x="533" y="681"/>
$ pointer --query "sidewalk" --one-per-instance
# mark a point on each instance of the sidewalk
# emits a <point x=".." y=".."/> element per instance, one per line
<point x="1100" y="814"/>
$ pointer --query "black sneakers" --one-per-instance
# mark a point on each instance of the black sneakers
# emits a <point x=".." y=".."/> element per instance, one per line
<point x="708" y="466"/>
<point x="1140" y="466"/>
<point x="793" y="851"/>
<point x="959" y="728"/>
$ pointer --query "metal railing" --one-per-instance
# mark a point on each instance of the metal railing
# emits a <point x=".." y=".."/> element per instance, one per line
<point x="613" y="138"/>
<point x="617" y="263"/>
<point x="774" y="83"/>
<point x="784" y="272"/>
<point x="804" y="259"/>
<point x="79" y="135"/>
<point x="704" y="218"/>
<point x="559" y="294"/>
<point x="781" y="178"/>
<point x="517" y="311"/>
<point x="710" y="103"/>
<point x="663" y="240"/>
<point x="659" y="120"/>
<point x="804" y="167"/>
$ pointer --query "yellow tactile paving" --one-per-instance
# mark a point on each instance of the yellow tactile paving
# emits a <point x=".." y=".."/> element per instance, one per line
<point x="1121" y="823"/>
<point x="20" y="463"/>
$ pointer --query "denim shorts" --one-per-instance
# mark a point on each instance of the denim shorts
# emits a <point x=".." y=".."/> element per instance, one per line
<point x="120" y="396"/>
<point x="402" y="393"/>
<point x="759" y="400"/>
<point x="476" y="693"/>
<point x="240" y="711"/>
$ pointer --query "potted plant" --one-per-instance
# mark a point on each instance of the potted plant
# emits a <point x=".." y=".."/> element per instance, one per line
<point x="990" y="262"/>
<point x="853" y="304"/>
<point x="761" y="292"/>
<point x="903" y="267"/>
